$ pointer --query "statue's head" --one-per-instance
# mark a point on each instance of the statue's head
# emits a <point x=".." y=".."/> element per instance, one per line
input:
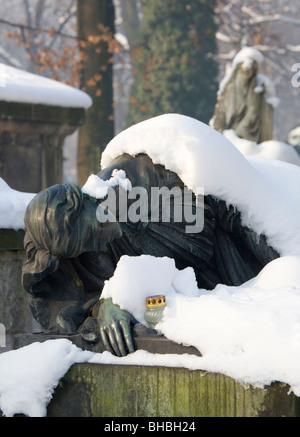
<point x="61" y="222"/>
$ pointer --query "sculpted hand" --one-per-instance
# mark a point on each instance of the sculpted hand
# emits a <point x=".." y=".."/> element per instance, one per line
<point x="114" y="327"/>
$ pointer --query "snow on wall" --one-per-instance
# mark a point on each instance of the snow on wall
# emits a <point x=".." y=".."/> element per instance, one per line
<point x="24" y="87"/>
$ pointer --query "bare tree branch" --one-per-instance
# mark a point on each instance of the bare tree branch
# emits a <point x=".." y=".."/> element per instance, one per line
<point x="40" y="9"/>
<point x="27" y="12"/>
<point x="70" y="12"/>
<point x="275" y="17"/>
<point x="8" y="58"/>
<point x="37" y="29"/>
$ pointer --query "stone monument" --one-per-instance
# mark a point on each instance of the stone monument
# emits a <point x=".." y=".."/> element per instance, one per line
<point x="246" y="99"/>
<point x="36" y="114"/>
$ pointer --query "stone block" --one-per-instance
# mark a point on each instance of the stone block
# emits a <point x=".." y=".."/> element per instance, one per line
<point x="31" y="140"/>
<point x="15" y="313"/>
<point x="94" y="390"/>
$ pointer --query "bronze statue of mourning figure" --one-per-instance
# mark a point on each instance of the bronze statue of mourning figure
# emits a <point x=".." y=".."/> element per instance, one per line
<point x="70" y="253"/>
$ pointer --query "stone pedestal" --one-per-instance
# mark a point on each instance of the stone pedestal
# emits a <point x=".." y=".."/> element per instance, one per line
<point x="31" y="139"/>
<point x="94" y="390"/>
<point x="124" y="391"/>
<point x="15" y="314"/>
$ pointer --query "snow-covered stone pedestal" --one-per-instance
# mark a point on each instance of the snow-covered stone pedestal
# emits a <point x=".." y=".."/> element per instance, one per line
<point x="36" y="114"/>
<point x="31" y="140"/>
<point x="96" y="390"/>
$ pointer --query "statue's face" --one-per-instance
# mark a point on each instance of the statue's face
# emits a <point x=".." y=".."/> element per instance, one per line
<point x="249" y="71"/>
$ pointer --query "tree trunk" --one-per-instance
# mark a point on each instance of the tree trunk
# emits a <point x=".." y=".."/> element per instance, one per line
<point x="96" y="80"/>
<point x="130" y="19"/>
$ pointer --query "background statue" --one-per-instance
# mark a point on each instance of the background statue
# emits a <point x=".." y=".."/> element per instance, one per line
<point x="246" y="100"/>
<point x="69" y="253"/>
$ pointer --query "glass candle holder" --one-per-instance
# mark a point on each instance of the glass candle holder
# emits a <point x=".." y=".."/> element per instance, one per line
<point x="154" y="311"/>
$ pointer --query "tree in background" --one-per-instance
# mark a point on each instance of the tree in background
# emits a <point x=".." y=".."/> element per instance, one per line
<point x="79" y="53"/>
<point x="48" y="35"/>
<point x="95" y="22"/>
<point x="174" y="66"/>
<point x="128" y="18"/>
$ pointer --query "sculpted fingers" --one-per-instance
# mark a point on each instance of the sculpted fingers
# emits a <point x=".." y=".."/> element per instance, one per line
<point x="127" y="335"/>
<point x="119" y="339"/>
<point x="115" y="329"/>
<point x="105" y="341"/>
<point x="109" y="340"/>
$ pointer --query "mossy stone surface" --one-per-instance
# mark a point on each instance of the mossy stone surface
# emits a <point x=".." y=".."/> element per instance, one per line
<point x="94" y="390"/>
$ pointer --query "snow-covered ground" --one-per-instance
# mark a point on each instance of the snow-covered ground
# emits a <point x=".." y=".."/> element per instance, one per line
<point x="251" y="332"/>
<point x="271" y="149"/>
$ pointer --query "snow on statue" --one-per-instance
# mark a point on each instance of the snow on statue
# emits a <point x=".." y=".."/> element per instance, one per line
<point x="250" y="217"/>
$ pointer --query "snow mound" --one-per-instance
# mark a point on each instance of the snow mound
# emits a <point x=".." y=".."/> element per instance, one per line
<point x="13" y="204"/>
<point x="156" y="276"/>
<point x="271" y="149"/>
<point x="29" y="375"/>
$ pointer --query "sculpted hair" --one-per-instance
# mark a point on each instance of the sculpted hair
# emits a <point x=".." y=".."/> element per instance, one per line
<point x="51" y="231"/>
